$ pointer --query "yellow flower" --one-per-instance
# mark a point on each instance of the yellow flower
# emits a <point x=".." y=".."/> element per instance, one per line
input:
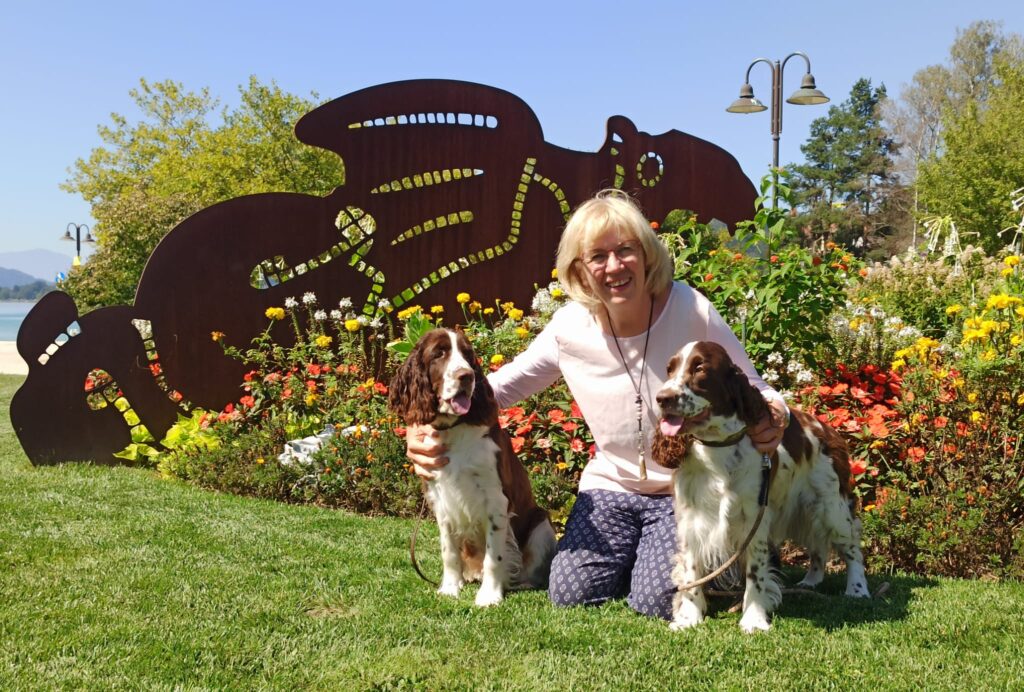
<point x="522" y="332"/>
<point x="323" y="341"/>
<point x="474" y="307"/>
<point x="506" y="306"/>
<point x="989" y="355"/>
<point x="972" y="397"/>
<point x="437" y="310"/>
<point x="516" y="314"/>
<point x="310" y="398"/>
<point x="409" y="312"/>
<point x="897" y="364"/>
<point x="958" y="382"/>
<point x="1019" y="312"/>
<point x="557" y="293"/>
<point x="497" y="359"/>
<point x="1011" y="260"/>
<point x="1017" y="339"/>
<point x="854" y="323"/>
<point x="554" y="273"/>
<point x="462" y="298"/>
<point x="352" y="325"/>
<point x="1007" y="271"/>
<point x="488" y="311"/>
<point x="261" y="460"/>
<point x="275" y="313"/>
<point x="1020" y="400"/>
<point x="977" y="416"/>
<point x="1001" y="301"/>
<point x="868" y="508"/>
<point x="954" y="309"/>
<point x="217" y="336"/>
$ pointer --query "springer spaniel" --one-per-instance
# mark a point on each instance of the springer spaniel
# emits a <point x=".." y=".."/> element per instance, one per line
<point x="708" y="402"/>
<point x="491" y="527"/>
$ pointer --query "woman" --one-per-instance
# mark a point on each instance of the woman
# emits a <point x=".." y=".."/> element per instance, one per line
<point x="612" y="344"/>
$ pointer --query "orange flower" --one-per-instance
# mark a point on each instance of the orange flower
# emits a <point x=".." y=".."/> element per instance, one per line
<point x="517" y="444"/>
<point x="708" y="276"/>
<point x="916" y="454"/>
<point x="655" y="225"/>
<point x="556" y="415"/>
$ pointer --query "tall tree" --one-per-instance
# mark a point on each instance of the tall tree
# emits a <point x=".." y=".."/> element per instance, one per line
<point x="183" y="154"/>
<point x="916" y="118"/>
<point x="982" y="160"/>
<point x="848" y="159"/>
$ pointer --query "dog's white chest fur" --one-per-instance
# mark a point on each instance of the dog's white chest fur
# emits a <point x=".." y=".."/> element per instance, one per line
<point x="469" y="486"/>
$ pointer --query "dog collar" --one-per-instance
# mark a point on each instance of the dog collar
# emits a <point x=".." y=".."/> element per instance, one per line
<point x="727" y="442"/>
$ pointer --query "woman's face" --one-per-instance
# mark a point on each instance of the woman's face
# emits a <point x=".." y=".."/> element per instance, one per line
<point x="614" y="263"/>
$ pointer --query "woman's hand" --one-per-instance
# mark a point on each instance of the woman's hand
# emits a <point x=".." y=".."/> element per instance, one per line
<point x="767" y="434"/>
<point x="424" y="450"/>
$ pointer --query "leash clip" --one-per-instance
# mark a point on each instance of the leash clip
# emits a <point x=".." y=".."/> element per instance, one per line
<point x="766" y="462"/>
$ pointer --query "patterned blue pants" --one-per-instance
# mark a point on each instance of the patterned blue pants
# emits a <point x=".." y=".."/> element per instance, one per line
<point x="617" y="544"/>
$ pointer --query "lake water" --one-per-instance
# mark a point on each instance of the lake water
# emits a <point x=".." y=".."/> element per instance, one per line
<point x="12" y="312"/>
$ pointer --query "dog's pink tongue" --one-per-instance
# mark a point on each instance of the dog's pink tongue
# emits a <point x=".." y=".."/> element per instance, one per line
<point x="671" y="425"/>
<point x="460" y="404"/>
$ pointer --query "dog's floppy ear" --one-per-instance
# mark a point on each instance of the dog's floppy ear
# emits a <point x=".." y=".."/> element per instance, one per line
<point x="410" y="395"/>
<point x="670" y="451"/>
<point x="750" y="405"/>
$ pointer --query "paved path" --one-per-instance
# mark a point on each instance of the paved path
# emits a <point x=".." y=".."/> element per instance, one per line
<point x="11" y="362"/>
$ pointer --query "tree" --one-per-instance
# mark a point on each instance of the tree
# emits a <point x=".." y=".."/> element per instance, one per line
<point x="916" y="118"/>
<point x="150" y="175"/>
<point x="982" y="161"/>
<point x="846" y="175"/>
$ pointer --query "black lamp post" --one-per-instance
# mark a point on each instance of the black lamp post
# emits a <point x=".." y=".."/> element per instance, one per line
<point x="807" y="95"/>
<point x="78" y="239"/>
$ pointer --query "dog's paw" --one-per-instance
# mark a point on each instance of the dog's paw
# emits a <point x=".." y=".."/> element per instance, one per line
<point x="450" y="587"/>
<point x="858" y="589"/>
<point x="685" y="617"/>
<point x="808" y="582"/>
<point x="755" y="620"/>
<point x="488" y="596"/>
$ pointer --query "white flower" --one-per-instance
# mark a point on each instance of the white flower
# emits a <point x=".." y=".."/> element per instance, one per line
<point x="770" y="375"/>
<point x="877" y="312"/>
<point x="319" y="315"/>
<point x="345" y="303"/>
<point x="908" y="333"/>
<point x="804" y="376"/>
<point x="363" y="320"/>
<point x="335" y="314"/>
<point x="376" y="323"/>
<point x="793" y="366"/>
<point x="308" y="297"/>
<point x="893" y="322"/>
<point x="775" y="358"/>
<point x="290" y="302"/>
<point x="543" y="303"/>
<point x="383" y="303"/>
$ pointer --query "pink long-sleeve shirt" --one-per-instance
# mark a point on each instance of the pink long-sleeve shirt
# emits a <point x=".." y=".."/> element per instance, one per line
<point x="574" y="346"/>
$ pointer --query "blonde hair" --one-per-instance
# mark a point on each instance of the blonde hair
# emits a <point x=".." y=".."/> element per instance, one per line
<point x="609" y="209"/>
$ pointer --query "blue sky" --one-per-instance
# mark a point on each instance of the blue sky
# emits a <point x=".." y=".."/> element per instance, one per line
<point x="66" y="66"/>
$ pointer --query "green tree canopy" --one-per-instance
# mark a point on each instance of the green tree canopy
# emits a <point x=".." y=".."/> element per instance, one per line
<point x="848" y="160"/>
<point x="982" y="162"/>
<point x="183" y="154"/>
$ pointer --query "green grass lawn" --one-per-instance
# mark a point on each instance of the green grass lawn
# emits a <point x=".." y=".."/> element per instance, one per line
<point x="113" y="578"/>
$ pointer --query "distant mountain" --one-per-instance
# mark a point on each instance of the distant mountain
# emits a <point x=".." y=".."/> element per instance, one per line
<point x="38" y="264"/>
<point x="12" y="277"/>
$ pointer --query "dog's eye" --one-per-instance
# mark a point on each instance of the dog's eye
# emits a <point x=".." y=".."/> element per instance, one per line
<point x="439" y="353"/>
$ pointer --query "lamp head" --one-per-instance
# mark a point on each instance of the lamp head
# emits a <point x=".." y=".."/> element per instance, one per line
<point x="746" y="103"/>
<point x="808" y="93"/>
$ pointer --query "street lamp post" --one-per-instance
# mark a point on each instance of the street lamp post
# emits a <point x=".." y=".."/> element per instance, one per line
<point x="807" y="95"/>
<point x="78" y="240"/>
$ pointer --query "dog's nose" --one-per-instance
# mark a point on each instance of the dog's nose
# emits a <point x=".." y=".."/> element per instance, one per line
<point x="666" y="397"/>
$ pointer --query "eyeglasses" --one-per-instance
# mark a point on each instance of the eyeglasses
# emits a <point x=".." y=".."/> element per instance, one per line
<point x="599" y="258"/>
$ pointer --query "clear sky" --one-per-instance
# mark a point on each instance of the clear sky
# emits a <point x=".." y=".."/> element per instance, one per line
<point x="65" y="66"/>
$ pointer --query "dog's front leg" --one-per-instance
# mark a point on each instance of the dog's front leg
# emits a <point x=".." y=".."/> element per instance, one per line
<point x="689" y="606"/>
<point x="762" y="593"/>
<point x="451" y="581"/>
<point x="493" y="582"/>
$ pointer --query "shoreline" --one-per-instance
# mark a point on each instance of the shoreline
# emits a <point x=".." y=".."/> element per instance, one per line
<point x="11" y="362"/>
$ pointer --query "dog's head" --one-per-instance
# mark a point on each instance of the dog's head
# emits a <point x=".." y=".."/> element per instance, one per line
<point x="441" y="382"/>
<point x="707" y="395"/>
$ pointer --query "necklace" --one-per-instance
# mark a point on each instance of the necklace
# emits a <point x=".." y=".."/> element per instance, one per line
<point x="637" y="385"/>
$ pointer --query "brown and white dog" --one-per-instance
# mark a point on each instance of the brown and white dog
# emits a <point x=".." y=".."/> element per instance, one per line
<point x="491" y="528"/>
<point x="717" y="481"/>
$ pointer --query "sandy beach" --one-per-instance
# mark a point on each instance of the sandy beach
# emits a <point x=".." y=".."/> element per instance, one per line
<point x="11" y="362"/>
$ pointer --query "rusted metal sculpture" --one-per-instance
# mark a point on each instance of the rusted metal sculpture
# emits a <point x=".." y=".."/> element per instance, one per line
<point x="450" y="187"/>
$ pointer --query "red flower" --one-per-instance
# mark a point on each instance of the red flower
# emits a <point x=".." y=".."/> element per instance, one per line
<point x="380" y="388"/>
<point x="248" y="377"/>
<point x="815" y="260"/>
<point x="569" y="426"/>
<point x="940" y="422"/>
<point x="155" y="369"/>
<point x="576" y="445"/>
<point x="229" y="408"/>
<point x="916" y="454"/>
<point x="524" y="429"/>
<point x="517" y="444"/>
<point x="399" y="430"/>
<point x="313" y="369"/>
<point x="287" y="393"/>
<point x="574" y="410"/>
<point x="774" y="259"/>
<point x="858" y="466"/>
<point x="655" y="225"/>
<point x="708" y="276"/>
<point x="247" y="401"/>
<point x="556" y="415"/>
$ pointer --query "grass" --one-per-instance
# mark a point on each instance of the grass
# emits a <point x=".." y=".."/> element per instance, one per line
<point x="112" y="578"/>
